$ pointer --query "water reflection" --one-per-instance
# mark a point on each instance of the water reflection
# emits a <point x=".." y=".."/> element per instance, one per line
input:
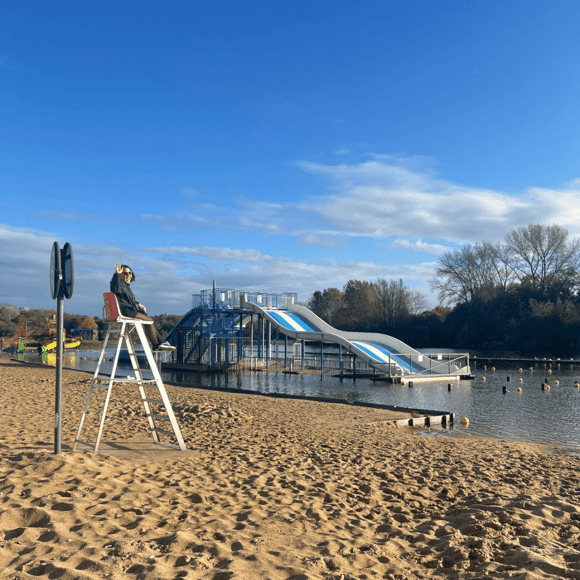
<point x="549" y="417"/>
<point x="49" y="358"/>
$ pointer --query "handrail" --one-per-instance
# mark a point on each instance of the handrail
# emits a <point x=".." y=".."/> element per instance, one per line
<point x="459" y="360"/>
<point x="228" y="298"/>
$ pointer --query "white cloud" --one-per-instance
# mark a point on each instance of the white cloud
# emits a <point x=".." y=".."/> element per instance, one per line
<point x="177" y="223"/>
<point x="74" y="216"/>
<point x="255" y="271"/>
<point x="564" y="206"/>
<point x="220" y="254"/>
<point x="167" y="277"/>
<point x="323" y="241"/>
<point x="420" y="246"/>
<point x="388" y="196"/>
<point x="385" y="196"/>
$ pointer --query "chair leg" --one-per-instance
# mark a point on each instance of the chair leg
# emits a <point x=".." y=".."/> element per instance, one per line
<point x="92" y="385"/>
<point x="161" y="389"/>
<point x="139" y="378"/>
<point x="127" y="326"/>
<point x="110" y="386"/>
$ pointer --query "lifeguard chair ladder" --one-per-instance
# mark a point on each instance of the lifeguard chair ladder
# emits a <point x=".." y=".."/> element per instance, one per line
<point x="112" y="315"/>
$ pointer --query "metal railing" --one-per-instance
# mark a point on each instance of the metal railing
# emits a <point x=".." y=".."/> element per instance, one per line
<point x="423" y="364"/>
<point x="228" y="298"/>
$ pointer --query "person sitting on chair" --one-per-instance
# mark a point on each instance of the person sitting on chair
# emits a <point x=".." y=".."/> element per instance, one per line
<point x="121" y="287"/>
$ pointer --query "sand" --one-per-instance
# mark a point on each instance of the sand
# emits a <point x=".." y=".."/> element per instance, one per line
<point x="271" y="489"/>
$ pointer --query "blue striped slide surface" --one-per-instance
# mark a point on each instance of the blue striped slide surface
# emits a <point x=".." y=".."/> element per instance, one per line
<point x="291" y="321"/>
<point x="380" y="353"/>
<point x="377" y="352"/>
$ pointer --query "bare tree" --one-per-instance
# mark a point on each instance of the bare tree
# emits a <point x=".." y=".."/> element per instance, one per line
<point x="396" y="301"/>
<point x="391" y="299"/>
<point x="542" y="255"/>
<point x="538" y="255"/>
<point x="417" y="302"/>
<point x="504" y="275"/>
<point x="8" y="317"/>
<point x="472" y="271"/>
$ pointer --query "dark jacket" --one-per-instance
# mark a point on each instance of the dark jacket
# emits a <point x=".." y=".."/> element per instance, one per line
<point x="125" y="297"/>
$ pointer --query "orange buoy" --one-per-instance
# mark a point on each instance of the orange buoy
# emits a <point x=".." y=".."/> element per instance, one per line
<point x="519" y="389"/>
<point x="464" y="421"/>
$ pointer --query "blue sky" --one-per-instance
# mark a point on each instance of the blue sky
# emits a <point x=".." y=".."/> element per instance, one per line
<point x="278" y="146"/>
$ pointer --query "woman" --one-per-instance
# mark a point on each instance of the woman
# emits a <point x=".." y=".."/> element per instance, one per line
<point x="121" y="287"/>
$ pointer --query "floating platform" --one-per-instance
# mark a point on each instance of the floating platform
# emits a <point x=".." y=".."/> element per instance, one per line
<point x="444" y="420"/>
<point x="405" y="380"/>
<point x="172" y="367"/>
<point x="523" y="361"/>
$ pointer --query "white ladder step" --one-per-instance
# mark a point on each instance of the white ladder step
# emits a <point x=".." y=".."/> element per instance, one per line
<point x="158" y="430"/>
<point x="124" y="379"/>
<point x="107" y="381"/>
<point x="157" y="416"/>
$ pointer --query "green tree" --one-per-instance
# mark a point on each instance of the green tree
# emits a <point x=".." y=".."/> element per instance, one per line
<point x="359" y="306"/>
<point x="326" y="304"/>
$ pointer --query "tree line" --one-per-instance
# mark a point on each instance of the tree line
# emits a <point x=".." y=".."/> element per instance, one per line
<point x="374" y="306"/>
<point x="520" y="295"/>
<point x="13" y="322"/>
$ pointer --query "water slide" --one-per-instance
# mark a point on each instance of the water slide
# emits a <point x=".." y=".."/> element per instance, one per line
<point x="385" y="353"/>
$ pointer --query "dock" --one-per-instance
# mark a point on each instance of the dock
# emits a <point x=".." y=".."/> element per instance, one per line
<point x="527" y="361"/>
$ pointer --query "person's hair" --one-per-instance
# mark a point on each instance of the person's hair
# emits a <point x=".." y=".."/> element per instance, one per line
<point x="123" y="266"/>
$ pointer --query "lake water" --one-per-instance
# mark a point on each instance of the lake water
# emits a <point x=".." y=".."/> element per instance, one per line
<point x="550" y="417"/>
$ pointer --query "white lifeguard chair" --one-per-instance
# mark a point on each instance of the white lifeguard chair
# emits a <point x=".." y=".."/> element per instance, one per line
<point x="112" y="315"/>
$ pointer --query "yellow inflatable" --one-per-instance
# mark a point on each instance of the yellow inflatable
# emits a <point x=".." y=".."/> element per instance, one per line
<point x="52" y="345"/>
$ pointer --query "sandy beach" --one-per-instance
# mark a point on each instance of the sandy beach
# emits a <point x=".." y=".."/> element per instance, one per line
<point x="271" y="488"/>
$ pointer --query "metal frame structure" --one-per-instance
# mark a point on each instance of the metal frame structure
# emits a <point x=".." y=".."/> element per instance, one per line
<point x="212" y="335"/>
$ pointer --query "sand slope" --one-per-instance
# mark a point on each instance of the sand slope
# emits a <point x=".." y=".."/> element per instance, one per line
<point x="271" y="489"/>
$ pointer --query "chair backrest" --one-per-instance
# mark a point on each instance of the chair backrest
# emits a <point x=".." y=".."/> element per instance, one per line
<point x="111" y="310"/>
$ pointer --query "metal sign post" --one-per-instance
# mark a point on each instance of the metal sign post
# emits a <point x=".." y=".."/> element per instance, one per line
<point x="61" y="287"/>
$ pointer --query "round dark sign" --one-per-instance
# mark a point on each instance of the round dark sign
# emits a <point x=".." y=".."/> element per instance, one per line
<point x="55" y="273"/>
<point x="68" y="271"/>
